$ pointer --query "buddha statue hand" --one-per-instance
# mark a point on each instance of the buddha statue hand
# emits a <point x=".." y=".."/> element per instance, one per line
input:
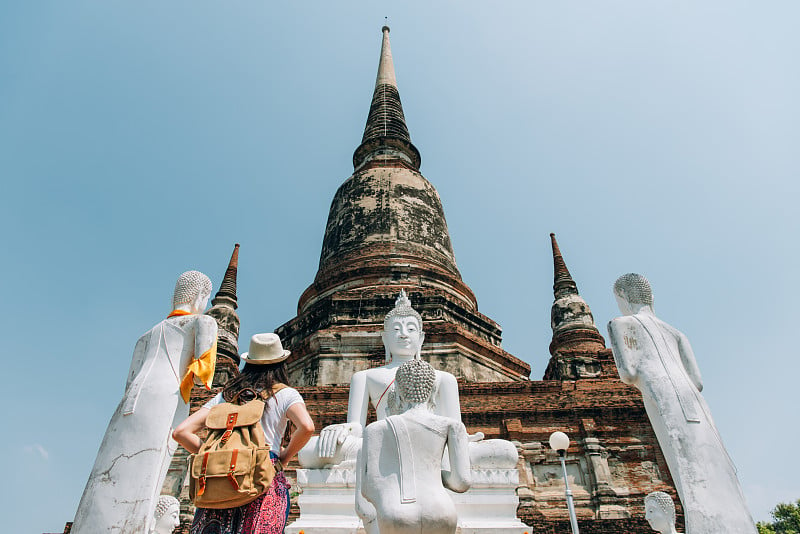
<point x="333" y="436"/>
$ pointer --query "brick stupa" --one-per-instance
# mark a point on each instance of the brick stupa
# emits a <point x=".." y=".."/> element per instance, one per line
<point x="386" y="231"/>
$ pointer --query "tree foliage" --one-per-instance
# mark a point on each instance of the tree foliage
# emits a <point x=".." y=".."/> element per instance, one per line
<point x="786" y="520"/>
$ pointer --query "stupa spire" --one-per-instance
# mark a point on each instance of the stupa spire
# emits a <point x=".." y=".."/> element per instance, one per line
<point x="387" y="232"/>
<point x="563" y="284"/>
<point x="227" y="289"/>
<point x="386" y="65"/>
<point x="223" y="310"/>
<point x="386" y="139"/>
<point x="578" y="350"/>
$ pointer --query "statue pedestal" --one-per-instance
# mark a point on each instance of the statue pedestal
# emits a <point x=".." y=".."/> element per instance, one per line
<point x="327" y="503"/>
<point x="490" y="505"/>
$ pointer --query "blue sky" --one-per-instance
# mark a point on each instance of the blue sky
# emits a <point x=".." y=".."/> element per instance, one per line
<point x="139" y="140"/>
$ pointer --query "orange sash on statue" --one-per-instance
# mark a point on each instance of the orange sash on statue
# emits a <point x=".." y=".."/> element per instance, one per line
<point x="202" y="367"/>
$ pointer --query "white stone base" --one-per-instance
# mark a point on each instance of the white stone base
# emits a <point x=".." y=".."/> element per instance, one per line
<point x="491" y="503"/>
<point x="327" y="503"/>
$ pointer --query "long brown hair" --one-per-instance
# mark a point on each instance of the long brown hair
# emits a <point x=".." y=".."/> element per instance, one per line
<point x="258" y="378"/>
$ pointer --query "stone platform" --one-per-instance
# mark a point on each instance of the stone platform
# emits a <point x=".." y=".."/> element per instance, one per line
<point x="327" y="503"/>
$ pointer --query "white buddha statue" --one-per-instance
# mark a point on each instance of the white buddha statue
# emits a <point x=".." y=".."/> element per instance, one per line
<point x="166" y="515"/>
<point x="658" y="359"/>
<point x="659" y="510"/>
<point x="132" y="462"/>
<point x="329" y="460"/>
<point x="402" y="337"/>
<point x="338" y="444"/>
<point x="400" y="483"/>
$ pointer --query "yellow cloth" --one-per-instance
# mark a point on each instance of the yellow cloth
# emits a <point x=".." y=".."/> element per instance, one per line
<point x="202" y="368"/>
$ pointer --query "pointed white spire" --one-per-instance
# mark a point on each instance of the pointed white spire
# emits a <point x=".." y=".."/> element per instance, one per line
<point x="386" y="65"/>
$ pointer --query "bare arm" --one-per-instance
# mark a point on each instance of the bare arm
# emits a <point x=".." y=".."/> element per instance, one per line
<point x="458" y="479"/>
<point x="137" y="361"/>
<point x="358" y="401"/>
<point x="689" y="362"/>
<point x="186" y="432"/>
<point x="447" y="403"/>
<point x="364" y="508"/>
<point x="361" y="465"/>
<point x="625" y="348"/>
<point x="304" y="429"/>
<point x="332" y="436"/>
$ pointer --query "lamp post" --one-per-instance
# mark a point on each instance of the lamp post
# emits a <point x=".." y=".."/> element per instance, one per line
<point x="559" y="442"/>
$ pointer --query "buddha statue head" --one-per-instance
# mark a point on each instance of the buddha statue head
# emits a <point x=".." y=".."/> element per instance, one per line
<point x="402" y="331"/>
<point x="414" y="384"/>
<point x="166" y="515"/>
<point x="192" y="291"/>
<point x="633" y="292"/>
<point x="659" y="510"/>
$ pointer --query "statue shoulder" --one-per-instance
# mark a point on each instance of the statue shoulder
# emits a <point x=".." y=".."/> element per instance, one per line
<point x="622" y="321"/>
<point x="446" y="378"/>
<point x="359" y="377"/>
<point x="626" y="324"/>
<point x="206" y="321"/>
<point x="671" y="329"/>
<point x="448" y="422"/>
<point x="376" y="427"/>
<point x="439" y="423"/>
<point x="378" y="373"/>
<point x="205" y="324"/>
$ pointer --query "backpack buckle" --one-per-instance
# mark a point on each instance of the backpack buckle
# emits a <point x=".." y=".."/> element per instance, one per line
<point x="232" y="469"/>
<point x="229" y="425"/>
<point x="202" y="479"/>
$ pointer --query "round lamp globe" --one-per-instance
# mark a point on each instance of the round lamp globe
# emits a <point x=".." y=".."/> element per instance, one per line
<point x="559" y="441"/>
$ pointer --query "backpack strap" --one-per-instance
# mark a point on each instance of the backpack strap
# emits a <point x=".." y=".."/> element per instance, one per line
<point x="236" y="400"/>
<point x="275" y="388"/>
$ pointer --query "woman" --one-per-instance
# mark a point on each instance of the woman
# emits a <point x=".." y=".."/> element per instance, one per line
<point x="264" y="367"/>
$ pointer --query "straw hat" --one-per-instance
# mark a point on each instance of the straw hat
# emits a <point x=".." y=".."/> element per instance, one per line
<point x="264" y="349"/>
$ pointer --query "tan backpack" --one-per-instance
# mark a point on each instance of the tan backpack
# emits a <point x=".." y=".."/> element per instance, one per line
<point x="232" y="467"/>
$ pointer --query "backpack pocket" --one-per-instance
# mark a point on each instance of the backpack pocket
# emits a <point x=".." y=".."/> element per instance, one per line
<point x="229" y="478"/>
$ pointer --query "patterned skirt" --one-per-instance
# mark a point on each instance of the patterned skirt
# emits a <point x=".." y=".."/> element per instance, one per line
<point x="265" y="515"/>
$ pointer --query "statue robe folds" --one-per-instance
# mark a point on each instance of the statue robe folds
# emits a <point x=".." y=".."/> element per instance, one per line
<point x="132" y="462"/>
<point x="658" y="360"/>
<point x="400" y="472"/>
